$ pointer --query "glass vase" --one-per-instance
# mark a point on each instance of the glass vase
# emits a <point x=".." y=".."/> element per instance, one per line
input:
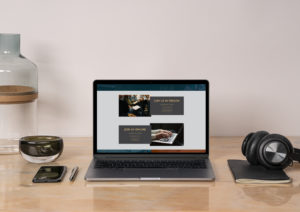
<point x="18" y="94"/>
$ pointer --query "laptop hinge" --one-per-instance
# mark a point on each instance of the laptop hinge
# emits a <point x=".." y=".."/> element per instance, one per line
<point x="152" y="157"/>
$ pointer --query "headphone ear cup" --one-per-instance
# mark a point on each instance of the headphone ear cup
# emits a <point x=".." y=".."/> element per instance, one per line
<point x="245" y="142"/>
<point x="252" y="145"/>
<point x="272" y="149"/>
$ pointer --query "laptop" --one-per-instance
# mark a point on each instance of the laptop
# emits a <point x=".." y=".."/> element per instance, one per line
<point x="150" y="130"/>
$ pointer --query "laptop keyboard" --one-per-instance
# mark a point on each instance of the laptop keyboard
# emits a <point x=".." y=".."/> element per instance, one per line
<point x="191" y="164"/>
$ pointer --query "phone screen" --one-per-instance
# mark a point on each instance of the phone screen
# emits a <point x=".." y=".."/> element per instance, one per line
<point x="50" y="174"/>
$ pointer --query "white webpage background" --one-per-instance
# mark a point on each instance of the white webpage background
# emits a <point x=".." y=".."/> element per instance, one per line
<point x="108" y="120"/>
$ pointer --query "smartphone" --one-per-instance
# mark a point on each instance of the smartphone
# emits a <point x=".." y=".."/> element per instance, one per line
<point x="50" y="174"/>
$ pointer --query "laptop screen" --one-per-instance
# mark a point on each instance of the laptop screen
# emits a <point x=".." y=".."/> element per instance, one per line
<point x="150" y="116"/>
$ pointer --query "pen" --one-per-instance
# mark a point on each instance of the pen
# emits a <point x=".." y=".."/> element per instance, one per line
<point x="74" y="173"/>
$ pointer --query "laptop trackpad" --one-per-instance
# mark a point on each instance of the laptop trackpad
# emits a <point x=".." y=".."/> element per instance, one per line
<point x="153" y="173"/>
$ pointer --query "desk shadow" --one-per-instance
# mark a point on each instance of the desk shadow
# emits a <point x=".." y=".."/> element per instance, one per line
<point x="146" y="198"/>
<point x="274" y="195"/>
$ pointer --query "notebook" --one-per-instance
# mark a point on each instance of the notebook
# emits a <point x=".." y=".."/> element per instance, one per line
<point x="243" y="172"/>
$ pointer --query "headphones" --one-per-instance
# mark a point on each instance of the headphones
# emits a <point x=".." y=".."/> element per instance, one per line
<point x="272" y="151"/>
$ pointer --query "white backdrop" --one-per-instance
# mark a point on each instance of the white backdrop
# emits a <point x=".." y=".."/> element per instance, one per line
<point x="249" y="50"/>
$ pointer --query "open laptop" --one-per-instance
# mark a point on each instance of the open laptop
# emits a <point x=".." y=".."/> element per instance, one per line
<point x="150" y="130"/>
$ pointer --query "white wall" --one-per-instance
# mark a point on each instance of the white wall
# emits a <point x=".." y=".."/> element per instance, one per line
<point x="249" y="50"/>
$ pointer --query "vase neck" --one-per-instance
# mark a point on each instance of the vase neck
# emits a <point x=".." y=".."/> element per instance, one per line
<point x="9" y="44"/>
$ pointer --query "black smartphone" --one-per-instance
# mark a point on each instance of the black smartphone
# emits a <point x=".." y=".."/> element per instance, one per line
<point x="50" y="174"/>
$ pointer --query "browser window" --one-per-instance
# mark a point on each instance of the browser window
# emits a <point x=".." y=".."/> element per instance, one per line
<point x="151" y="118"/>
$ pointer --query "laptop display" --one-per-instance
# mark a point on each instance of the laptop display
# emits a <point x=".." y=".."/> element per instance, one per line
<point x="155" y="116"/>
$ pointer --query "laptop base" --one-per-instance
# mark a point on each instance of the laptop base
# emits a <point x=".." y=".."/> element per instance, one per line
<point x="149" y="174"/>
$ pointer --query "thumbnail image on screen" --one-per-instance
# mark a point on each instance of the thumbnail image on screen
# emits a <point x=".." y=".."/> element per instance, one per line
<point x="166" y="134"/>
<point x="134" y="105"/>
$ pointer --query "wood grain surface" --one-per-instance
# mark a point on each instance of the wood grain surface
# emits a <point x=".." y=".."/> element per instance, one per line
<point x="18" y="193"/>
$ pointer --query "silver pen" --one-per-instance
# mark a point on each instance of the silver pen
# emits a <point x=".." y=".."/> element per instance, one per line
<point x="74" y="173"/>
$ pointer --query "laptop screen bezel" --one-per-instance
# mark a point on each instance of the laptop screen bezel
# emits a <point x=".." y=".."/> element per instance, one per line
<point x="97" y="82"/>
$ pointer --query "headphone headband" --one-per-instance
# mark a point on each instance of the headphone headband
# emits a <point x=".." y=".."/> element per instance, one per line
<point x="296" y="155"/>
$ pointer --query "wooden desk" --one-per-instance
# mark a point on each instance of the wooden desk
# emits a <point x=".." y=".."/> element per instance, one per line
<point x="18" y="193"/>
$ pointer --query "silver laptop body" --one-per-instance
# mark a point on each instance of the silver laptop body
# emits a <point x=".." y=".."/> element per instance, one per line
<point x="150" y="130"/>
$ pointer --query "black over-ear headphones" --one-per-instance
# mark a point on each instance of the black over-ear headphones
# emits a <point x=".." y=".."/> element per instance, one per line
<point x="272" y="151"/>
